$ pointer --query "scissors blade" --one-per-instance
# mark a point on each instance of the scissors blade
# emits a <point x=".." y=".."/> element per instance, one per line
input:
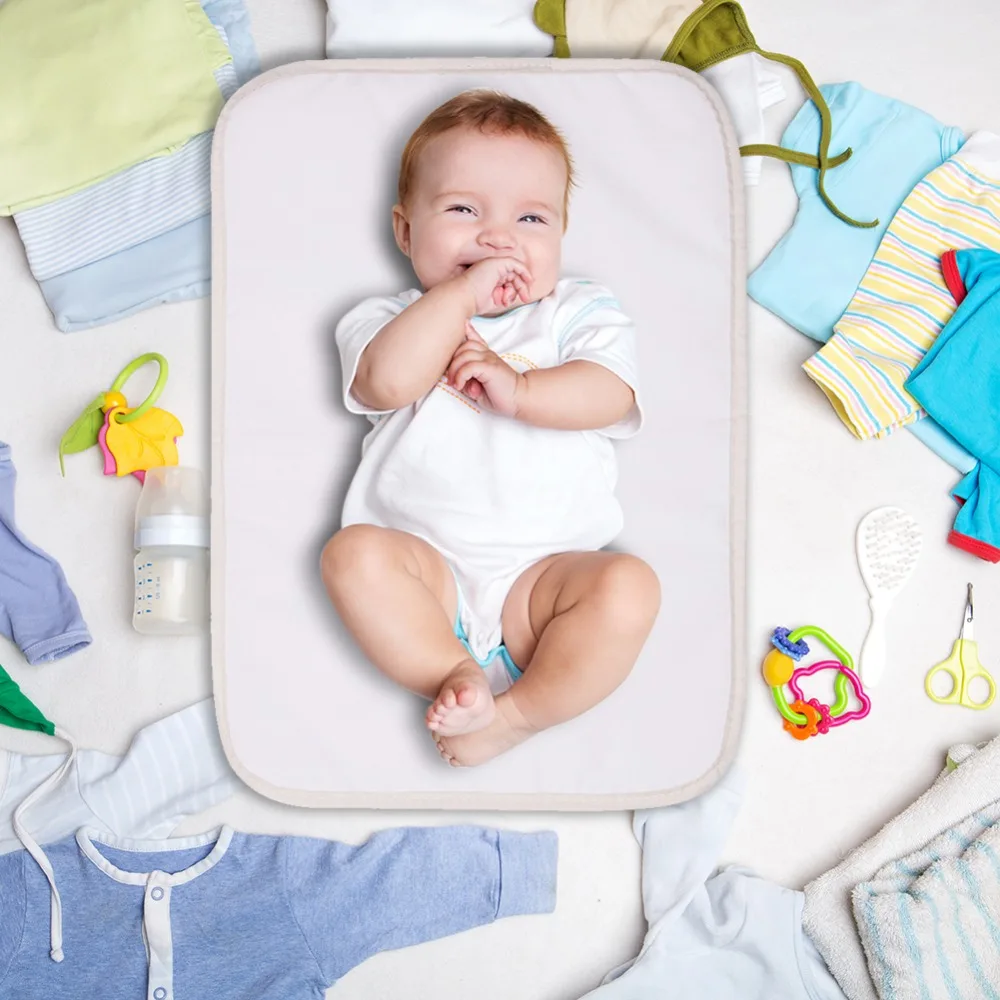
<point x="968" y="632"/>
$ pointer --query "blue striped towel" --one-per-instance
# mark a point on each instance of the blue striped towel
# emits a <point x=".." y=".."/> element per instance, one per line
<point x="930" y="922"/>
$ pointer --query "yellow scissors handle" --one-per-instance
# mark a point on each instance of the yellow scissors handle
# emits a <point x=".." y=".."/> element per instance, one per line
<point x="963" y="667"/>
<point x="953" y="668"/>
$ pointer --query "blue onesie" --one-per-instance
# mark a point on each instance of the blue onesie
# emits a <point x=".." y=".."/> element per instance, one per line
<point x="811" y="275"/>
<point x="38" y="611"/>
<point x="958" y="383"/>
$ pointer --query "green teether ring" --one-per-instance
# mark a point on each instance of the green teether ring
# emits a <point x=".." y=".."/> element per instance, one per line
<point x="128" y="371"/>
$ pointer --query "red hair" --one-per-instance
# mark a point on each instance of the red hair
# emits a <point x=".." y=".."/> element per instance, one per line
<point x="491" y="113"/>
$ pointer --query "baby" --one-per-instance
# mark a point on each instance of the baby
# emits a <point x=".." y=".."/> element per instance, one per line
<point x="467" y="567"/>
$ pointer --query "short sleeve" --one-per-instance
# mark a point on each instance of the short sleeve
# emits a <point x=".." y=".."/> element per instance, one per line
<point x="357" y="330"/>
<point x="590" y="326"/>
<point x="404" y="887"/>
<point x="12" y="909"/>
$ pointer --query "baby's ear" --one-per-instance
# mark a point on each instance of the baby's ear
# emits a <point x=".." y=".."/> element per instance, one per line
<point x="401" y="228"/>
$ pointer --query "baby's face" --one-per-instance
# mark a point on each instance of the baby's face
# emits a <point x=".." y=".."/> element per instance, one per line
<point x="478" y="195"/>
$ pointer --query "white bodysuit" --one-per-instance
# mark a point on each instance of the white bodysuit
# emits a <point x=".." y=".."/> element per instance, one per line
<point x="491" y="494"/>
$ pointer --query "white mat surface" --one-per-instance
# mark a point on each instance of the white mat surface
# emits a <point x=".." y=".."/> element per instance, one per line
<point x="320" y="142"/>
<point x="806" y="806"/>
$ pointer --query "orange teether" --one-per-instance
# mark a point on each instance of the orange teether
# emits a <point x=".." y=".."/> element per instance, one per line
<point x="811" y="727"/>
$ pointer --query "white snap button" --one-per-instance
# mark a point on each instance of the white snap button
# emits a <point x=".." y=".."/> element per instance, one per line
<point x="160" y="993"/>
<point x="157" y="894"/>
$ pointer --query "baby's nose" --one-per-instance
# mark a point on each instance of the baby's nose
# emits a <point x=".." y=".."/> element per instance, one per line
<point x="497" y="238"/>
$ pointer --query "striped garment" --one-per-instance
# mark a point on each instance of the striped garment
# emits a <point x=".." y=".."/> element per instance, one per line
<point x="930" y="922"/>
<point x="903" y="302"/>
<point x="174" y="768"/>
<point x="125" y="209"/>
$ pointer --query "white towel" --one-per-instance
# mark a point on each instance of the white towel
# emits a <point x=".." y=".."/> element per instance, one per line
<point x="828" y="915"/>
<point x="930" y="922"/>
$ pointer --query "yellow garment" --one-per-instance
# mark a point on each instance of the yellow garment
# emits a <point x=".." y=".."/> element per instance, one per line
<point x="89" y="87"/>
<point x="626" y="29"/>
<point x="903" y="301"/>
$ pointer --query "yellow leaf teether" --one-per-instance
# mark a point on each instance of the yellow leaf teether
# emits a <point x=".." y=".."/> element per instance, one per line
<point x="144" y="443"/>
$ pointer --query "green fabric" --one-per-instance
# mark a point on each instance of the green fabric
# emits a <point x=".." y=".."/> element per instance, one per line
<point x="717" y="31"/>
<point x="89" y="87"/>
<point x="550" y="16"/>
<point x="714" y="32"/>
<point x="17" y="711"/>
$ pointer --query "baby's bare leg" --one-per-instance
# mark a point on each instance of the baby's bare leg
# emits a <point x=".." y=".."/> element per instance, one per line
<point x="397" y="596"/>
<point x="578" y="621"/>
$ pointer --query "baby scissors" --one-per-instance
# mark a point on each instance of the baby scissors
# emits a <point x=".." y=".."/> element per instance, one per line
<point x="962" y="667"/>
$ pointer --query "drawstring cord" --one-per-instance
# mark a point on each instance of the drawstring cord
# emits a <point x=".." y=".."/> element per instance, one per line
<point x="31" y="846"/>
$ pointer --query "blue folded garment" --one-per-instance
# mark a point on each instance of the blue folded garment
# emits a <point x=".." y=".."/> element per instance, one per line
<point x="958" y="383"/>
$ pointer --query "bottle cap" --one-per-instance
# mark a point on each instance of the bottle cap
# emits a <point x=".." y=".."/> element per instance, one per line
<point x="172" y="508"/>
<point x="172" y="529"/>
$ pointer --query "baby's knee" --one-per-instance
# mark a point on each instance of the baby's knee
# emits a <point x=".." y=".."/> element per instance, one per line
<point x="630" y="590"/>
<point x="354" y="551"/>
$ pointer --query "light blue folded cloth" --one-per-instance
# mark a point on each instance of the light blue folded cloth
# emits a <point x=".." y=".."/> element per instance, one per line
<point x="810" y="276"/>
<point x="930" y="922"/>
<point x="170" y="268"/>
<point x="141" y="237"/>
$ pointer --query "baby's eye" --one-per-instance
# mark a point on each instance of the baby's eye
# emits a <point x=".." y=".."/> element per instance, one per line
<point x="461" y="209"/>
<point x="532" y="218"/>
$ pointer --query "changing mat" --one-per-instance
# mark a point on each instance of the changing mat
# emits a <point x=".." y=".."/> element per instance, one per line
<point x="304" y="173"/>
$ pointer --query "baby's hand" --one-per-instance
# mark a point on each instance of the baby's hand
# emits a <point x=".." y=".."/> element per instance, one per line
<point x="484" y="376"/>
<point x="498" y="283"/>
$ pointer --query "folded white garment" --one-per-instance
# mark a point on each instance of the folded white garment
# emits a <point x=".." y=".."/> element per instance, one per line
<point x="174" y="768"/>
<point x="433" y="28"/>
<point x="748" y="88"/>
<point x="713" y="935"/>
<point x="829" y="916"/>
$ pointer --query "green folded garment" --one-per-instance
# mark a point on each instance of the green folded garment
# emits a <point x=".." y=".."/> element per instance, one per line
<point x="89" y="87"/>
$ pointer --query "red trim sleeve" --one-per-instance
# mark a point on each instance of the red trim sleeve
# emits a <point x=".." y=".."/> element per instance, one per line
<point x="981" y="549"/>
<point x="952" y="276"/>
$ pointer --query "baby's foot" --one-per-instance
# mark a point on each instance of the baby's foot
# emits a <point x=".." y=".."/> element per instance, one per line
<point x="507" y="728"/>
<point x="464" y="703"/>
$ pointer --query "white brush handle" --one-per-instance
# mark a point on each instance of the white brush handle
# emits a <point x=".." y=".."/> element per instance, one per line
<point x="871" y="662"/>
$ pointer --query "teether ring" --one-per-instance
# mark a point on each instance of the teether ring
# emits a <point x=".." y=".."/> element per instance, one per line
<point x="805" y="718"/>
<point x="132" y="439"/>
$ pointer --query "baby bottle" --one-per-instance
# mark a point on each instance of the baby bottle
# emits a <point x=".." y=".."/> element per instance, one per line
<point x="171" y="567"/>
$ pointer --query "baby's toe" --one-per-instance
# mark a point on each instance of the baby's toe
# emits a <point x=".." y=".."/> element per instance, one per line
<point x="467" y="695"/>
